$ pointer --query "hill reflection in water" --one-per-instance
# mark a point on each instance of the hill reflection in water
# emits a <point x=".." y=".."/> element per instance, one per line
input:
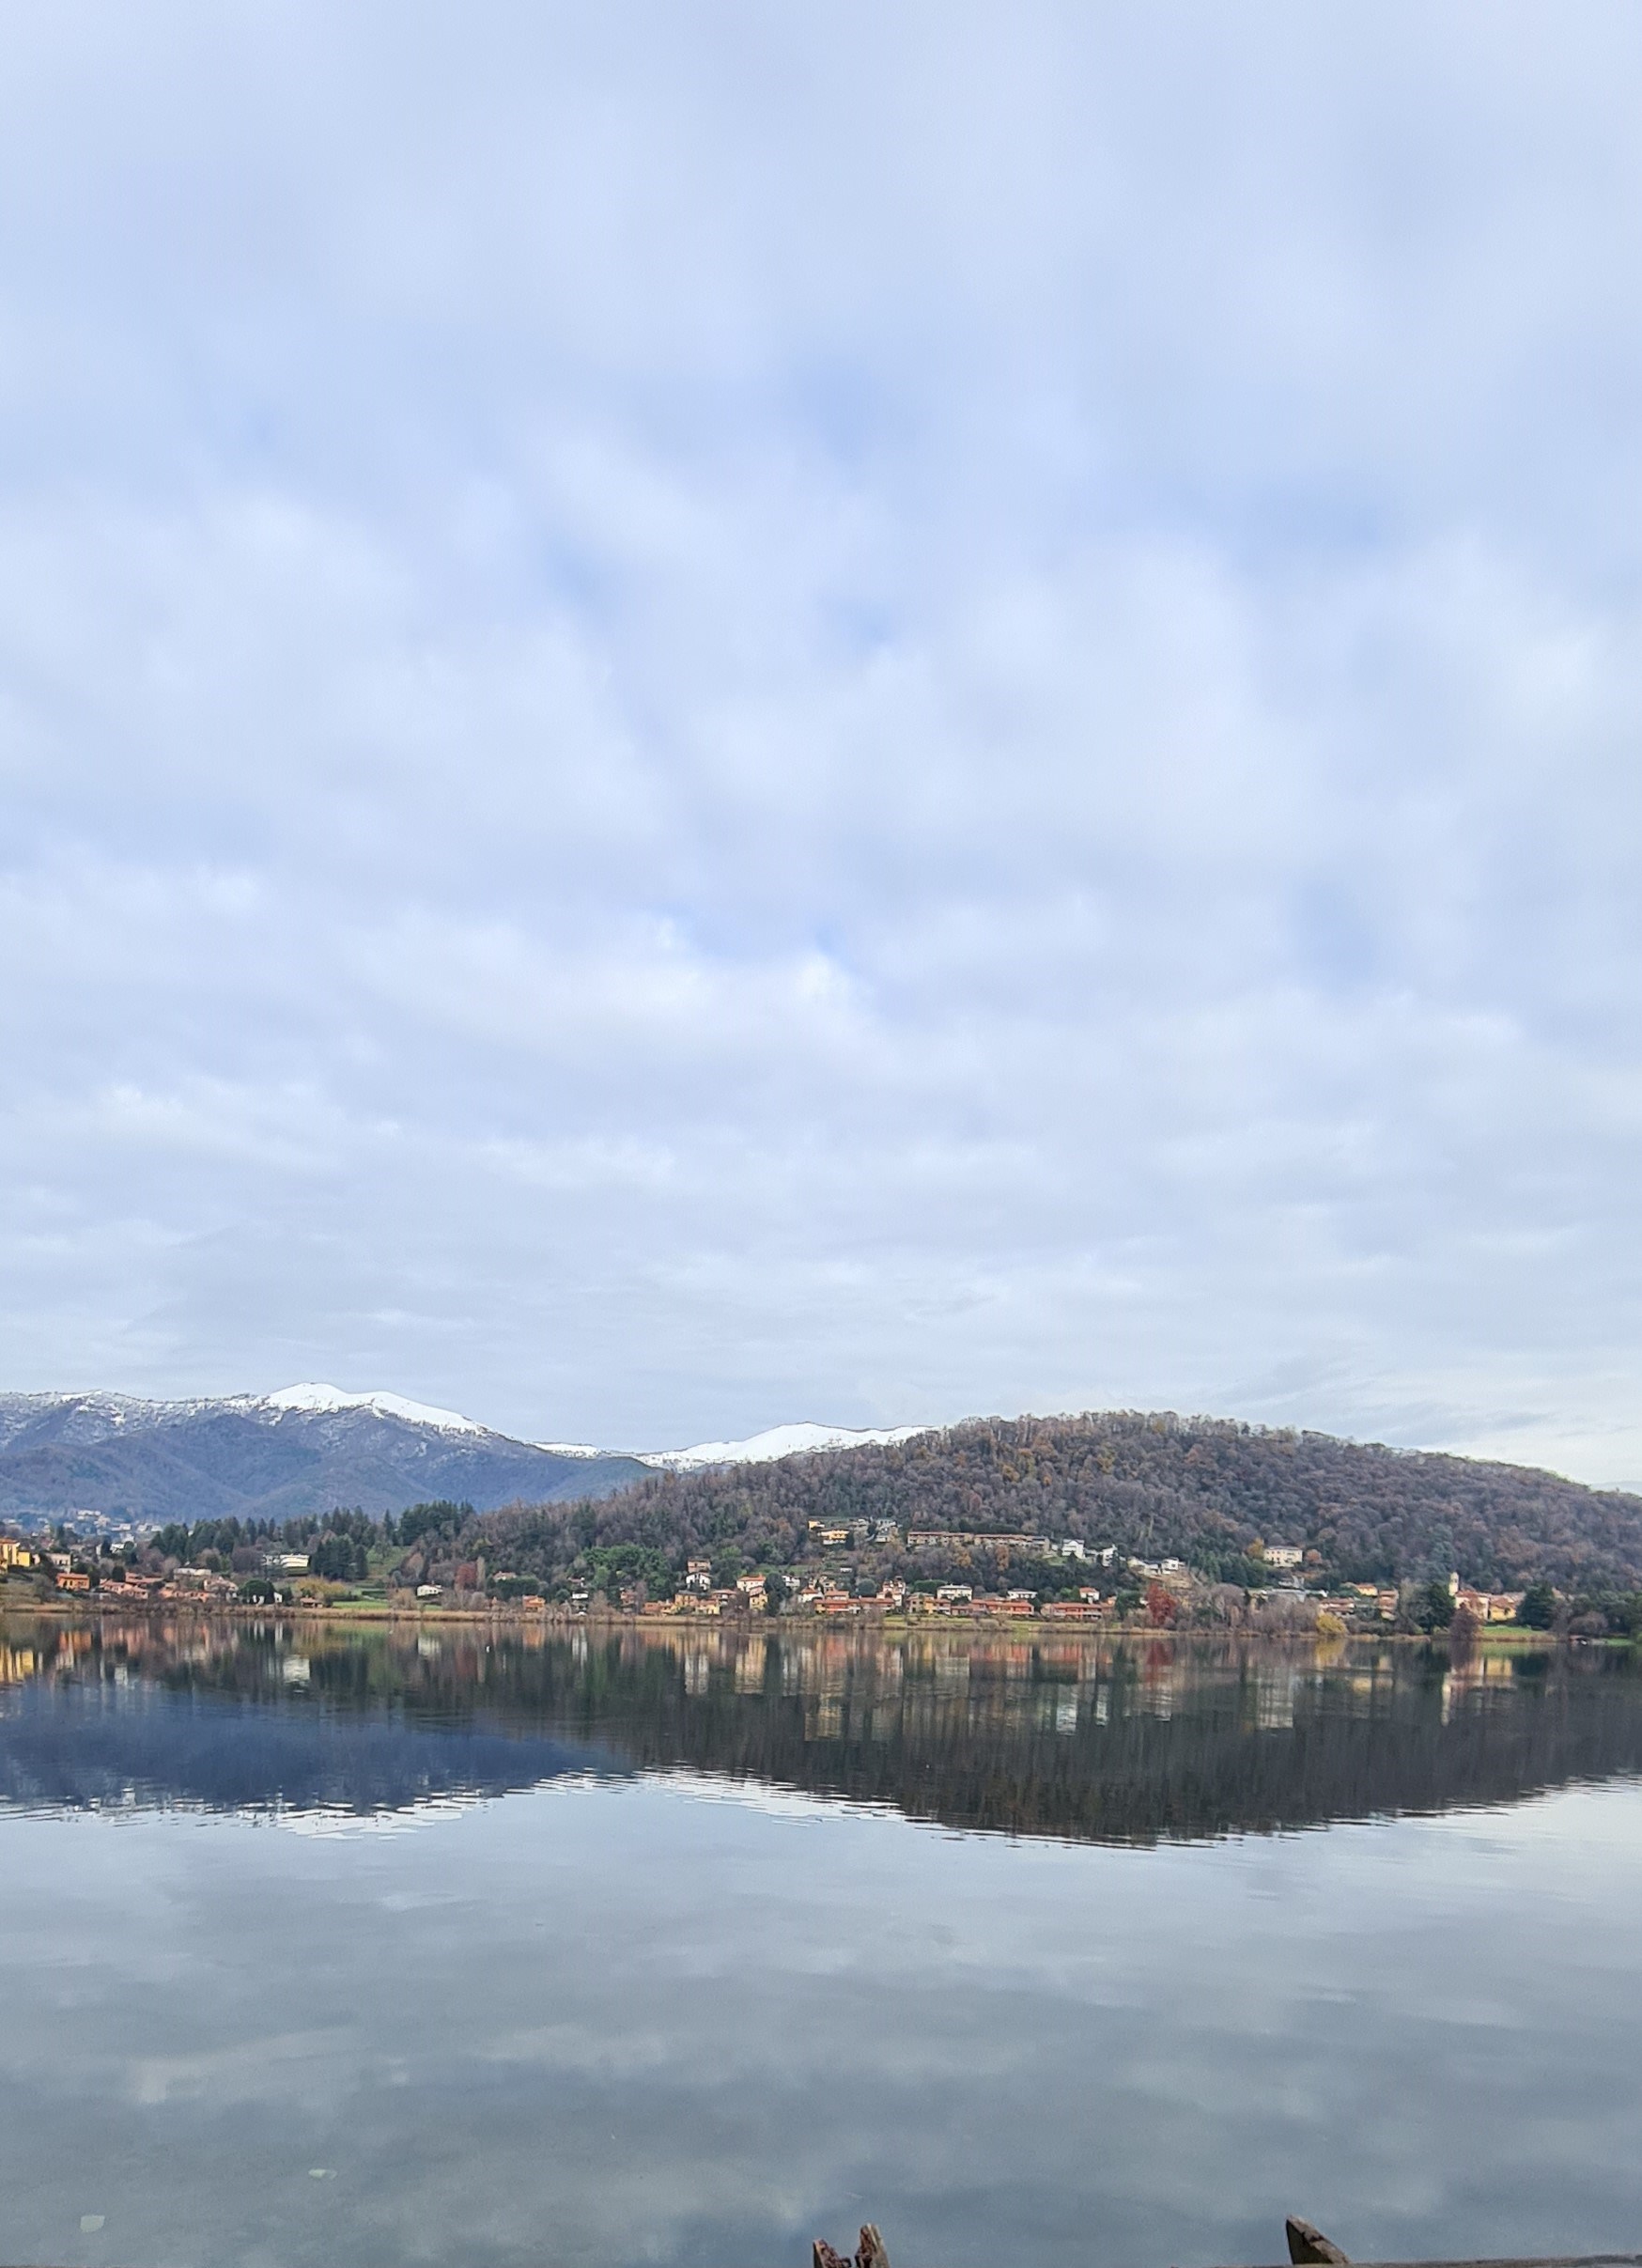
<point x="1107" y="1740"/>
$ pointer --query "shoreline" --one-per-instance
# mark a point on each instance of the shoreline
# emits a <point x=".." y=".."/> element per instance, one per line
<point x="502" y="1619"/>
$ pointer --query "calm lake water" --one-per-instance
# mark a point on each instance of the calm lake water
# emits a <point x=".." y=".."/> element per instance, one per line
<point x="688" y="1949"/>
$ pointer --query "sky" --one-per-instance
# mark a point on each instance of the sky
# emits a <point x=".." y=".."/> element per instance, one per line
<point x="762" y="712"/>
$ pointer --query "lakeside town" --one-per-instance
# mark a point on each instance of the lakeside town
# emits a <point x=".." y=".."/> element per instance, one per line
<point x="974" y="1576"/>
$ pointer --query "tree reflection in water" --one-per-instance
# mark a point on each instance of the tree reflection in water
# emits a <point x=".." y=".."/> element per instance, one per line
<point x="1093" y="1739"/>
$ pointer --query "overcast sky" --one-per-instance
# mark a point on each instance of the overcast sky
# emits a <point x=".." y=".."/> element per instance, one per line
<point x="721" y="714"/>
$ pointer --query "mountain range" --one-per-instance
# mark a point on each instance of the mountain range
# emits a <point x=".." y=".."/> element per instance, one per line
<point x="1144" y="1483"/>
<point x="310" y="1448"/>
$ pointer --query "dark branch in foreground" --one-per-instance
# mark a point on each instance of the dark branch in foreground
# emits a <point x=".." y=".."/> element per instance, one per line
<point x="1308" y="2248"/>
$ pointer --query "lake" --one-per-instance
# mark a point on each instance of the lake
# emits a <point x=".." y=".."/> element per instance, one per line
<point x="689" y="1947"/>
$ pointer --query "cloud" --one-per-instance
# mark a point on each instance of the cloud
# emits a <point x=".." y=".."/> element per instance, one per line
<point x="845" y="718"/>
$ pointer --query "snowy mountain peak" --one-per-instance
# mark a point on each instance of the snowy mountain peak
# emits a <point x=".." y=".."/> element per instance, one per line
<point x="325" y="1398"/>
<point x="778" y="1441"/>
<point x="86" y="1420"/>
<point x="758" y="1449"/>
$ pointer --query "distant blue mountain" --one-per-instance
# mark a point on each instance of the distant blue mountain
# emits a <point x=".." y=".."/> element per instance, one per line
<point x="277" y="1456"/>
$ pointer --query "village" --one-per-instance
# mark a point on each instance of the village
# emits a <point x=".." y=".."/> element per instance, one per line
<point x="991" y="1582"/>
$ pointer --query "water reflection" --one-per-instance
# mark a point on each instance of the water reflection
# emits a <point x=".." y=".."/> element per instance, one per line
<point x="616" y="2018"/>
<point x="1094" y="1740"/>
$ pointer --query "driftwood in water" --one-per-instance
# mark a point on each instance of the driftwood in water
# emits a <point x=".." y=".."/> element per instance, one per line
<point x="1309" y="2248"/>
<point x="1538" y="2260"/>
<point x="870" y="2252"/>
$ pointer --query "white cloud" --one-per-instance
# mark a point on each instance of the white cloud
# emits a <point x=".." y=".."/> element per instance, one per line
<point x="870" y="715"/>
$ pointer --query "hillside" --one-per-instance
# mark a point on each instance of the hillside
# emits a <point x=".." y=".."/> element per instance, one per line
<point x="276" y="1458"/>
<point x="1201" y="1489"/>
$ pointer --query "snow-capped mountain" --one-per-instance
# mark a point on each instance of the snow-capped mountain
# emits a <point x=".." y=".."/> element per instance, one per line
<point x="778" y="1441"/>
<point x="758" y="1449"/>
<point x="385" y="1406"/>
<point x="93" y="1417"/>
<point x="270" y="1456"/>
<point x="309" y="1447"/>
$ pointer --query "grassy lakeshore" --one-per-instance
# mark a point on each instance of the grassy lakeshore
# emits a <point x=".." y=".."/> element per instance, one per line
<point x="503" y="1619"/>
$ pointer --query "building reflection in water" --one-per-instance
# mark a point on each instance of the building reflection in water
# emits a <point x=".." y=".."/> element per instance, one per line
<point x="1099" y="1738"/>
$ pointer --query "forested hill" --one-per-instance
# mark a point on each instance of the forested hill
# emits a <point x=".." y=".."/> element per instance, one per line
<point x="1200" y="1489"/>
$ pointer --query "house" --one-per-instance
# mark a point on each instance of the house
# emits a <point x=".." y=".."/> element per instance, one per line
<point x="953" y="1594"/>
<point x="69" y="1580"/>
<point x="831" y="1532"/>
<point x="427" y="1590"/>
<point x="196" y="1583"/>
<point x="751" y="1586"/>
<point x="290" y="1563"/>
<point x="1284" y="1555"/>
<point x="1356" y="1600"/>
<point x="978" y="1539"/>
<point x="1080" y="1610"/>
<point x="1489" y="1606"/>
<point x="698" y="1574"/>
<point x="199" y="1582"/>
<point x="1072" y="1550"/>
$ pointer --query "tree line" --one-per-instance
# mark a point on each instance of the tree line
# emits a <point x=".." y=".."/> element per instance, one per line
<point x="1213" y="1494"/>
